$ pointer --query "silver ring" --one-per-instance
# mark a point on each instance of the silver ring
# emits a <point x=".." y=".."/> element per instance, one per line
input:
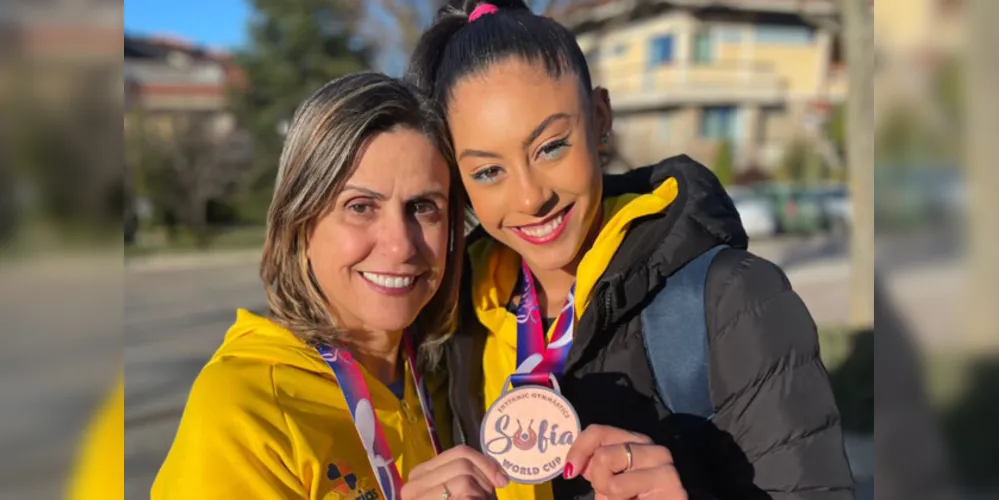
<point x="631" y="457"/>
<point x="447" y="493"/>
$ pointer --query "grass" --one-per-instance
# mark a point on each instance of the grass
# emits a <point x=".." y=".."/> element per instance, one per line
<point x="155" y="241"/>
<point x="959" y="389"/>
<point x="849" y="359"/>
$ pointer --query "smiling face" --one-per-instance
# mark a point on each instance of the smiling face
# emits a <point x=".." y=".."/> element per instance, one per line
<point x="379" y="252"/>
<point x="527" y="153"/>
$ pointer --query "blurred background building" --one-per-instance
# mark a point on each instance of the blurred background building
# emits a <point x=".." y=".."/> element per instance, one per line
<point x="688" y="76"/>
<point x="164" y="76"/>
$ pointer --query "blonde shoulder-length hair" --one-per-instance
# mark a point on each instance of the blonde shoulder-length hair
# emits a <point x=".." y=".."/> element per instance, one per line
<point x="320" y="153"/>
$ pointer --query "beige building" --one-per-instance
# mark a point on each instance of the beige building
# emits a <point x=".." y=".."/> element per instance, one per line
<point x="685" y="75"/>
<point x="914" y="41"/>
<point x="166" y="77"/>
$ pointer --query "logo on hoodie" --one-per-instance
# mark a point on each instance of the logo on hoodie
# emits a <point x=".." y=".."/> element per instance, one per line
<point x="346" y="485"/>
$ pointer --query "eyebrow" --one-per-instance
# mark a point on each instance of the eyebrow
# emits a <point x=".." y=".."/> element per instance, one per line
<point x="527" y="142"/>
<point x="432" y="193"/>
<point x="542" y="126"/>
<point x="367" y="192"/>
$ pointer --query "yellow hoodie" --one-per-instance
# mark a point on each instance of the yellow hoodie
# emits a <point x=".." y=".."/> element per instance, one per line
<point x="495" y="271"/>
<point x="96" y="472"/>
<point x="266" y="419"/>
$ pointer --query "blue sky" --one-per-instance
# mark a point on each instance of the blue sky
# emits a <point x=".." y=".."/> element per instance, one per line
<point x="214" y="23"/>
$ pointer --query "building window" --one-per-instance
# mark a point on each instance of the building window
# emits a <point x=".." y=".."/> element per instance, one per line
<point x="718" y="122"/>
<point x="664" y="125"/>
<point x="784" y="35"/>
<point x="661" y="50"/>
<point x="729" y="34"/>
<point x="703" y="48"/>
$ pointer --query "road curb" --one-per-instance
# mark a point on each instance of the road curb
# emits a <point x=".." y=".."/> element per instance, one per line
<point x="177" y="262"/>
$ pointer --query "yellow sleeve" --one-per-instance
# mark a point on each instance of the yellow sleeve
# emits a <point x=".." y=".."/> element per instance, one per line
<point x="99" y="471"/>
<point x="233" y="440"/>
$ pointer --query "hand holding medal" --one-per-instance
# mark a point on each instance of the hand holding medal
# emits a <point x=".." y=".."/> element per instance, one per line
<point x="624" y="465"/>
<point x="459" y="472"/>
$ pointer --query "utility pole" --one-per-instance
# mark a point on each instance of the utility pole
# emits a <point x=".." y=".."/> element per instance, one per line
<point x="982" y="178"/>
<point x="858" y="21"/>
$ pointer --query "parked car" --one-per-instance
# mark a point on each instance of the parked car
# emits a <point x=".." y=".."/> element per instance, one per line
<point x="797" y="210"/>
<point x="914" y="196"/>
<point x="756" y="213"/>
<point x="837" y="210"/>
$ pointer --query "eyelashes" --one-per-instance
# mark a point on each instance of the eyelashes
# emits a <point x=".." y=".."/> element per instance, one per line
<point x="553" y="150"/>
<point x="487" y="175"/>
<point x="549" y="152"/>
<point x="418" y="208"/>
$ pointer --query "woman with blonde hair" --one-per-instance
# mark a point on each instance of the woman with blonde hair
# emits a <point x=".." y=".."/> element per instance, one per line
<point x="338" y="393"/>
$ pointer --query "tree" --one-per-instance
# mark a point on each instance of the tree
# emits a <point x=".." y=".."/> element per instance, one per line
<point x="859" y="39"/>
<point x="723" y="163"/>
<point x="66" y="157"/>
<point x="295" y="47"/>
<point x="187" y="163"/>
<point x="796" y="160"/>
<point x="394" y="26"/>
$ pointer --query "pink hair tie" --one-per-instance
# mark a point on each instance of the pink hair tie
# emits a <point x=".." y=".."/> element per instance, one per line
<point x="482" y="10"/>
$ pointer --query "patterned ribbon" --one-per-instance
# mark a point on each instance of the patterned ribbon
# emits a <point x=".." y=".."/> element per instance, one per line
<point x="535" y="359"/>
<point x="355" y="391"/>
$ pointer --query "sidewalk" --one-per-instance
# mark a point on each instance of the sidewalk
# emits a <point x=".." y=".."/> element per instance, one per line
<point x="192" y="260"/>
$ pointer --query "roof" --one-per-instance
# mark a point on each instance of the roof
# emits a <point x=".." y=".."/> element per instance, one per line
<point x="160" y="47"/>
<point x="580" y="14"/>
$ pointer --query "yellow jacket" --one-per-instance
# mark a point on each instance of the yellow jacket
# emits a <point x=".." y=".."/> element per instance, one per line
<point x="495" y="270"/>
<point x="99" y="471"/>
<point x="266" y="419"/>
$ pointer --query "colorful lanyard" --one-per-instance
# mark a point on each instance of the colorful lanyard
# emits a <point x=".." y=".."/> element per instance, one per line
<point x="355" y="391"/>
<point x="535" y="360"/>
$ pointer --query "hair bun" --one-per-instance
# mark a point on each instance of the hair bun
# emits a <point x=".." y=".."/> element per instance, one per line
<point x="467" y="6"/>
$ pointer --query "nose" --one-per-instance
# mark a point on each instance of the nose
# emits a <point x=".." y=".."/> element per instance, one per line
<point x="534" y="195"/>
<point x="397" y="236"/>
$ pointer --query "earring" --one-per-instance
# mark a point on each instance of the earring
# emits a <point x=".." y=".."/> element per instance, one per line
<point x="605" y="139"/>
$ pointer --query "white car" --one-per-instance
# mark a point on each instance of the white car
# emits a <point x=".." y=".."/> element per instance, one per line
<point x="756" y="212"/>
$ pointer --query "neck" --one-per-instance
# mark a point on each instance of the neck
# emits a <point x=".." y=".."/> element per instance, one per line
<point x="378" y="352"/>
<point x="552" y="287"/>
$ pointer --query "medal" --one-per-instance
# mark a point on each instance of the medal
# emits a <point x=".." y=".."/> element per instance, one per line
<point x="530" y="429"/>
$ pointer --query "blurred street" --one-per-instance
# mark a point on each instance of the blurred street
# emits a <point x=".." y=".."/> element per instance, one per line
<point x="178" y="310"/>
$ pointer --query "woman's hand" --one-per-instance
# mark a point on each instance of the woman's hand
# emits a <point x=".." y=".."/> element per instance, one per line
<point x="458" y="473"/>
<point x="622" y="465"/>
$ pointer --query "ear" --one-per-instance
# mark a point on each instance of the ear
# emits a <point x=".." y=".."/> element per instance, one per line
<point x="603" y="119"/>
<point x="308" y="243"/>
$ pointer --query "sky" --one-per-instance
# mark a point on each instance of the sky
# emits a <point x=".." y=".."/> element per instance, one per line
<point x="214" y="23"/>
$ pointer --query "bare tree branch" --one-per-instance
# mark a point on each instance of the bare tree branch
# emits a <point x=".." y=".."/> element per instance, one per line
<point x="190" y="163"/>
<point x="395" y="26"/>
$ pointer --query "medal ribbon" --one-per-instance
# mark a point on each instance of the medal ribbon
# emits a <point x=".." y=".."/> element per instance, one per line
<point x="535" y="359"/>
<point x="362" y="412"/>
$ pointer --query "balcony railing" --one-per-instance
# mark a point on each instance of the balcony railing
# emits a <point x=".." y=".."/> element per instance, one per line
<point x="201" y="73"/>
<point x="640" y="86"/>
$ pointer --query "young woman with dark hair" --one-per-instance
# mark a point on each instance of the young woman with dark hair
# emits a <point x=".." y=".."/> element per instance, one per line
<point x="528" y="129"/>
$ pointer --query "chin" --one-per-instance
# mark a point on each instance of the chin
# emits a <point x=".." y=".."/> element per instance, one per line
<point x="389" y="322"/>
<point x="551" y="259"/>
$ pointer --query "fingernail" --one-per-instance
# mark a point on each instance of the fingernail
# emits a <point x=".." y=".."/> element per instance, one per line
<point x="502" y="479"/>
<point x="567" y="473"/>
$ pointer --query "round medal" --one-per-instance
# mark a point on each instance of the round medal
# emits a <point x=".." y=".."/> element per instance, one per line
<point x="529" y="431"/>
